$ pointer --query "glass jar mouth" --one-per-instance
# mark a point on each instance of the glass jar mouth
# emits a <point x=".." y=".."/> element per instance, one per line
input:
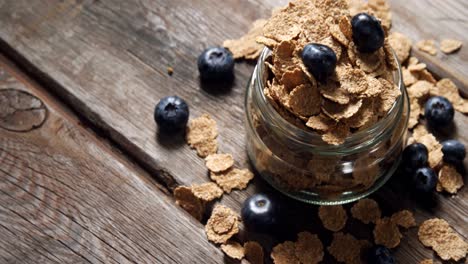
<point x="312" y="139"/>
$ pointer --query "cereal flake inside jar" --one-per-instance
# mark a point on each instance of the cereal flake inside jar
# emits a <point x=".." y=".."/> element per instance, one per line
<point x="326" y="110"/>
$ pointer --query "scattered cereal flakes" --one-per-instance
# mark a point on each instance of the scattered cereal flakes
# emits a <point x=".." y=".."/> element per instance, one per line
<point x="437" y="234"/>
<point x="304" y="100"/>
<point x="308" y="248"/>
<point x="185" y="198"/>
<point x="333" y="217"/>
<point x="386" y="233"/>
<point x="413" y="61"/>
<point x="387" y="97"/>
<point x="320" y="122"/>
<point x="366" y="210"/>
<point x="421" y="135"/>
<point x="222" y="225"/>
<point x="404" y="218"/>
<point x="232" y="179"/>
<point x="219" y="162"/>
<point x="333" y="92"/>
<point x="427" y="76"/>
<point x="201" y="134"/>
<point x="338" y="111"/>
<point x="233" y="250"/>
<point x="207" y="192"/>
<point x="420" y="89"/>
<point x="401" y="44"/>
<point x="246" y="46"/>
<point x="447" y="88"/>
<point x="284" y="253"/>
<point x="448" y="46"/>
<point x="337" y="135"/>
<point x="253" y="252"/>
<point x="351" y="80"/>
<point x="426" y="261"/>
<point x="409" y="78"/>
<point x="417" y="67"/>
<point x="427" y="46"/>
<point x="346" y="248"/>
<point x="449" y="179"/>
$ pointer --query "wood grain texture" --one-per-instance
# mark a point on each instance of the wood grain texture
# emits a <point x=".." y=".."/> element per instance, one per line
<point x="108" y="60"/>
<point x="67" y="198"/>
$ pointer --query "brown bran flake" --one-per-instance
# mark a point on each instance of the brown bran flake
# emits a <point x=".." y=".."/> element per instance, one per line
<point x="450" y="180"/>
<point x="201" y="135"/>
<point x="427" y="46"/>
<point x="366" y="210"/>
<point x="404" y="218"/>
<point x="448" y="46"/>
<point x="207" y="192"/>
<point x="285" y="253"/>
<point x="437" y="234"/>
<point x="308" y="248"/>
<point x="426" y="261"/>
<point x="246" y="47"/>
<point x="346" y="248"/>
<point x="219" y="162"/>
<point x="333" y="217"/>
<point x="185" y="198"/>
<point x="233" y="250"/>
<point x="386" y="233"/>
<point x="222" y="225"/>
<point x="232" y="179"/>
<point x="253" y="252"/>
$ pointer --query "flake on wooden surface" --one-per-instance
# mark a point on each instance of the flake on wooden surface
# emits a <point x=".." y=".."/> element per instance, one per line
<point x="386" y="233"/>
<point x="404" y="218"/>
<point x="448" y="46"/>
<point x="222" y="225"/>
<point x="450" y="180"/>
<point x="448" y="244"/>
<point x="366" y="210"/>
<point x="207" y="192"/>
<point x="427" y="46"/>
<point x="346" y="248"/>
<point x="254" y="252"/>
<point x="219" y="162"/>
<point x="233" y="250"/>
<point x="247" y="47"/>
<point x="333" y="217"/>
<point x="285" y="253"/>
<point x="232" y="179"/>
<point x="201" y="135"/>
<point x="185" y="198"/>
<point x="308" y="248"/>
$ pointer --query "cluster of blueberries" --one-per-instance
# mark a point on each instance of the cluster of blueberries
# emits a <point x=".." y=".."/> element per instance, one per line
<point x="261" y="212"/>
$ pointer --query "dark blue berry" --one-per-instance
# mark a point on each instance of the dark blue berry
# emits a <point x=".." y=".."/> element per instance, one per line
<point x="380" y="255"/>
<point x="415" y="156"/>
<point x="438" y="111"/>
<point x="216" y="64"/>
<point x="454" y="151"/>
<point x="368" y="34"/>
<point x="425" y="180"/>
<point x="261" y="213"/>
<point x="171" y="113"/>
<point x="320" y="60"/>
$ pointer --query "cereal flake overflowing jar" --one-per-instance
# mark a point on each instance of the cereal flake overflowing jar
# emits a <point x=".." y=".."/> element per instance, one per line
<point x="299" y="163"/>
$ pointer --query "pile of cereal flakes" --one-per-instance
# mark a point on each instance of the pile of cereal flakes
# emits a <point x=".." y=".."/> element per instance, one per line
<point x="224" y="223"/>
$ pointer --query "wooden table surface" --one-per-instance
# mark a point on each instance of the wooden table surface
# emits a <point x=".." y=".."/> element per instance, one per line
<point x="89" y="179"/>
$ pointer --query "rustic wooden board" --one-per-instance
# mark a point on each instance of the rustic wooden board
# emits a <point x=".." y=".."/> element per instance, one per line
<point x="108" y="61"/>
<point x="67" y="198"/>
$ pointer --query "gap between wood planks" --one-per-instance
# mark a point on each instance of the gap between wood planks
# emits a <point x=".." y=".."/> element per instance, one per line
<point x="100" y="137"/>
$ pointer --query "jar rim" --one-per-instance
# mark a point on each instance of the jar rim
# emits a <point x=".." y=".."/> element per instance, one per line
<point x="314" y="139"/>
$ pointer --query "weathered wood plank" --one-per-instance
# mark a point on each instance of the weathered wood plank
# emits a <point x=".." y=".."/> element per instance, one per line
<point x="108" y="61"/>
<point x="65" y="197"/>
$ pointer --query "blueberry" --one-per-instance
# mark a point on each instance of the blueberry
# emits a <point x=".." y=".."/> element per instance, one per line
<point x="380" y="255"/>
<point x="454" y="151"/>
<point x="216" y="64"/>
<point x="320" y="60"/>
<point x="425" y="180"/>
<point x="171" y="113"/>
<point x="415" y="156"/>
<point x="261" y="213"/>
<point x="368" y="34"/>
<point x="438" y="111"/>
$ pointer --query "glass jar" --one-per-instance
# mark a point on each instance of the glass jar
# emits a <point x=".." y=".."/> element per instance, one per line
<point x="286" y="155"/>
